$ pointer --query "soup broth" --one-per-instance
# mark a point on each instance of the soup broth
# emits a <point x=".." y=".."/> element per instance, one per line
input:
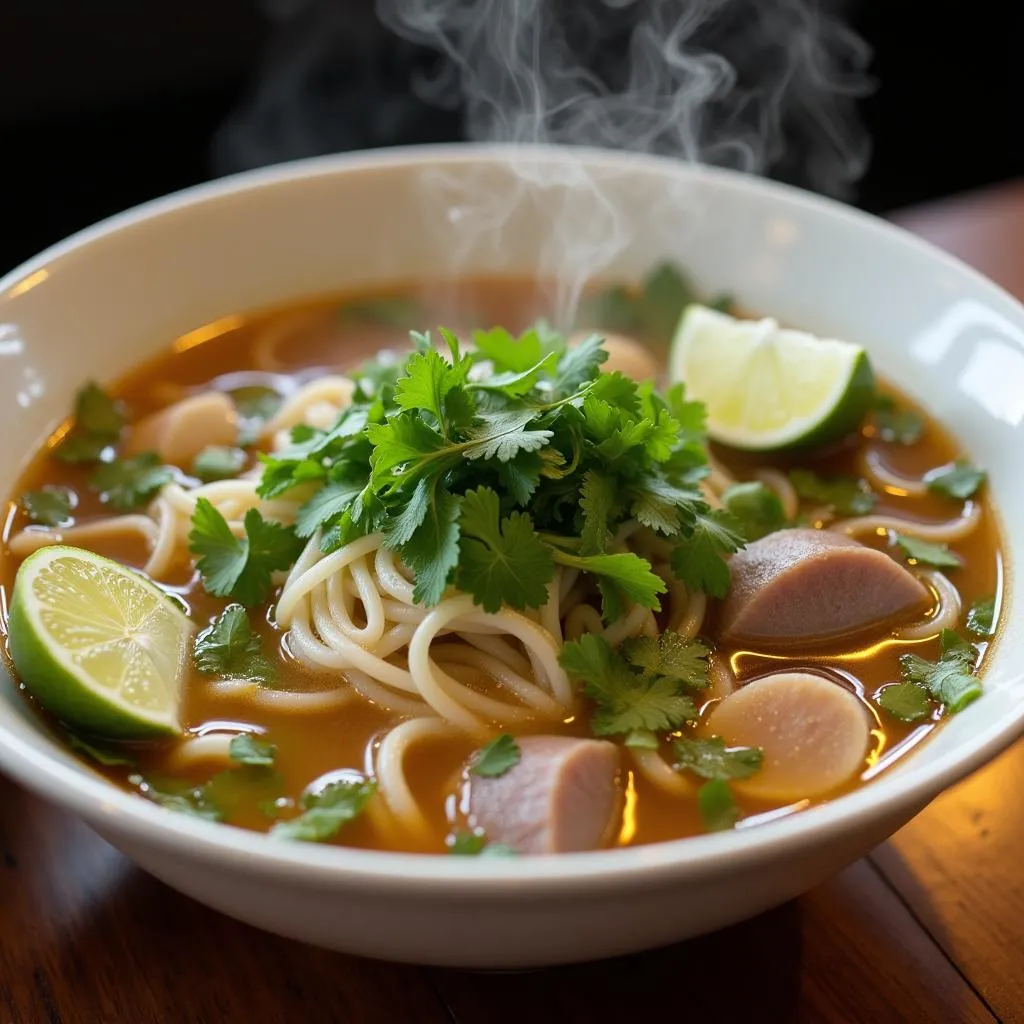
<point x="324" y="731"/>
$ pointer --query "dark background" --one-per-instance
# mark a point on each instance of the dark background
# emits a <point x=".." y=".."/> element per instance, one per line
<point x="108" y="103"/>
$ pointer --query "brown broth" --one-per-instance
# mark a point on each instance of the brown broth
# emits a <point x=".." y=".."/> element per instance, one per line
<point x="298" y="343"/>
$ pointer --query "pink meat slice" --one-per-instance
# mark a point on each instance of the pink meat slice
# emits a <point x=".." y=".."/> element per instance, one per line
<point x="814" y="585"/>
<point x="562" y="796"/>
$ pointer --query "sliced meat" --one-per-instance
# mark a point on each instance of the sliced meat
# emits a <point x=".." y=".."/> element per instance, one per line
<point x="562" y="796"/>
<point x="814" y="734"/>
<point x="181" y="431"/>
<point x="807" y="586"/>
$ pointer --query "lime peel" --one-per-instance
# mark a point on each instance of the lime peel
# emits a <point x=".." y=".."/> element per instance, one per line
<point x="98" y="644"/>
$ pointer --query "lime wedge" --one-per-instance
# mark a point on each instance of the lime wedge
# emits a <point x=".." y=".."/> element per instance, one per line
<point x="767" y="388"/>
<point x="97" y="644"/>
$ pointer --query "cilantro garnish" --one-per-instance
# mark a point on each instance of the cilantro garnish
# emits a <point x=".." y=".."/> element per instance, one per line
<point x="180" y="796"/>
<point x="712" y="759"/>
<point x="901" y="426"/>
<point x="50" y="505"/>
<point x="906" y="701"/>
<point x="125" y="484"/>
<point x="486" y="469"/>
<point x="717" y="805"/>
<point x="981" y="616"/>
<point x="958" y="480"/>
<point x="98" y="421"/>
<point x="218" y="462"/>
<point x="325" y="812"/>
<point x="240" y="567"/>
<point x="926" y="553"/>
<point x="950" y="680"/>
<point x="246" y="749"/>
<point x="231" y="649"/>
<point x="496" y="758"/>
<point x="475" y="844"/>
<point x="255" y="404"/>
<point x="756" y="508"/>
<point x="106" y="756"/>
<point x="630" y="695"/>
<point x="846" y="495"/>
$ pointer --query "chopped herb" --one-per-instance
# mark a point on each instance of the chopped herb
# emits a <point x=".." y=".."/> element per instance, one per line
<point x="951" y="679"/>
<point x="246" y="749"/>
<point x="324" y="813"/>
<point x="125" y="484"/>
<point x="902" y="426"/>
<point x="670" y="655"/>
<point x="712" y="759"/>
<point x="958" y="480"/>
<point x="847" y="495"/>
<point x="256" y="404"/>
<point x="488" y="482"/>
<point x="496" y="758"/>
<point x="475" y="844"/>
<point x="231" y="649"/>
<point x="106" y="756"/>
<point x="717" y="806"/>
<point x="218" y="462"/>
<point x="629" y="700"/>
<point x="906" y="701"/>
<point x="926" y="553"/>
<point x="981" y="616"/>
<point x="184" y="798"/>
<point x="756" y="508"/>
<point x="50" y="506"/>
<point x="240" y="567"/>
<point x="274" y="808"/>
<point x="98" y="422"/>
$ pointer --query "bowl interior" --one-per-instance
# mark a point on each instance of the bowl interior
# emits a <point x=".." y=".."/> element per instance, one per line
<point x="118" y="293"/>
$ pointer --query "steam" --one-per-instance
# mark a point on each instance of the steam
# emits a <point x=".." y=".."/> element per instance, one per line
<point x="761" y="86"/>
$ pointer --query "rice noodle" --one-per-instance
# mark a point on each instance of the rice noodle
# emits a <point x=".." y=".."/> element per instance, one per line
<point x="873" y="467"/>
<point x="943" y="532"/>
<point x="945" y="614"/>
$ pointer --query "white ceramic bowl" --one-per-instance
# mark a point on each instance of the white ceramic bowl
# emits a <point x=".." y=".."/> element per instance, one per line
<point x="114" y="294"/>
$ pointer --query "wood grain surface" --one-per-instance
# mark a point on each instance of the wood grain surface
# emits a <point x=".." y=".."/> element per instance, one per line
<point x="929" y="928"/>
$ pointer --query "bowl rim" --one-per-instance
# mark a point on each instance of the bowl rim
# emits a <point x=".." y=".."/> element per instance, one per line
<point x="114" y="811"/>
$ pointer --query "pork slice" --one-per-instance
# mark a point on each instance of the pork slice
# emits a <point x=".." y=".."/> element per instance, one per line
<point x="562" y="796"/>
<point x="814" y="585"/>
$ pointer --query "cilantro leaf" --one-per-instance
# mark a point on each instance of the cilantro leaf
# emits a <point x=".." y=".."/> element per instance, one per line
<point x="240" y="567"/>
<point x="756" y="508"/>
<point x="958" y="480"/>
<point x="717" y="806"/>
<point x="670" y="655"/>
<point x="247" y="749"/>
<point x="597" y="500"/>
<point x="50" y="505"/>
<point x="218" y="462"/>
<point x="846" y="494"/>
<point x="950" y="680"/>
<point x="508" y="353"/>
<point x="712" y="759"/>
<point x="626" y="700"/>
<point x="229" y="648"/>
<point x="427" y="382"/>
<point x="255" y="404"/>
<point x="432" y="551"/>
<point x="981" y="616"/>
<point x="175" y="795"/>
<point x="475" y="844"/>
<point x="905" y="701"/>
<point x="496" y="758"/>
<point x="698" y="560"/>
<point x="578" y="366"/>
<point x="125" y="484"/>
<point x="520" y="476"/>
<point x="902" y="426"/>
<point x="324" y="813"/>
<point x="106" y="756"/>
<point x="98" y="421"/>
<point x="624" y="576"/>
<point x="926" y="553"/>
<point x="502" y="563"/>
<point x="326" y="505"/>
<point x="503" y="435"/>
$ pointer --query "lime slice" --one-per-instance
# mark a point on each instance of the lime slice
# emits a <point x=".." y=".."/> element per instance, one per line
<point x="99" y="645"/>
<point x="767" y="388"/>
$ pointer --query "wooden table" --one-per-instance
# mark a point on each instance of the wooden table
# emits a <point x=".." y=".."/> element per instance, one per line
<point x="929" y="927"/>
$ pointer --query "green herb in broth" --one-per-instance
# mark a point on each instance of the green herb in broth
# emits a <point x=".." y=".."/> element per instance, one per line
<point x="256" y="405"/>
<point x="981" y="617"/>
<point x="240" y="567"/>
<point x="475" y="844"/>
<point x="497" y="757"/>
<point x="324" y="813"/>
<point x="756" y="508"/>
<point x="717" y="805"/>
<point x="231" y="649"/>
<point x="50" y="506"/>
<point x="926" y="553"/>
<point x="218" y="462"/>
<point x="109" y="757"/>
<point x="388" y="311"/>
<point x="247" y="749"/>
<point x="958" y="480"/>
<point x="97" y="424"/>
<point x="899" y="426"/>
<point x="712" y="759"/>
<point x="177" y="795"/>
<point x="950" y="680"/>
<point x="907" y="702"/>
<point x="125" y="484"/>
<point x="848" y="496"/>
